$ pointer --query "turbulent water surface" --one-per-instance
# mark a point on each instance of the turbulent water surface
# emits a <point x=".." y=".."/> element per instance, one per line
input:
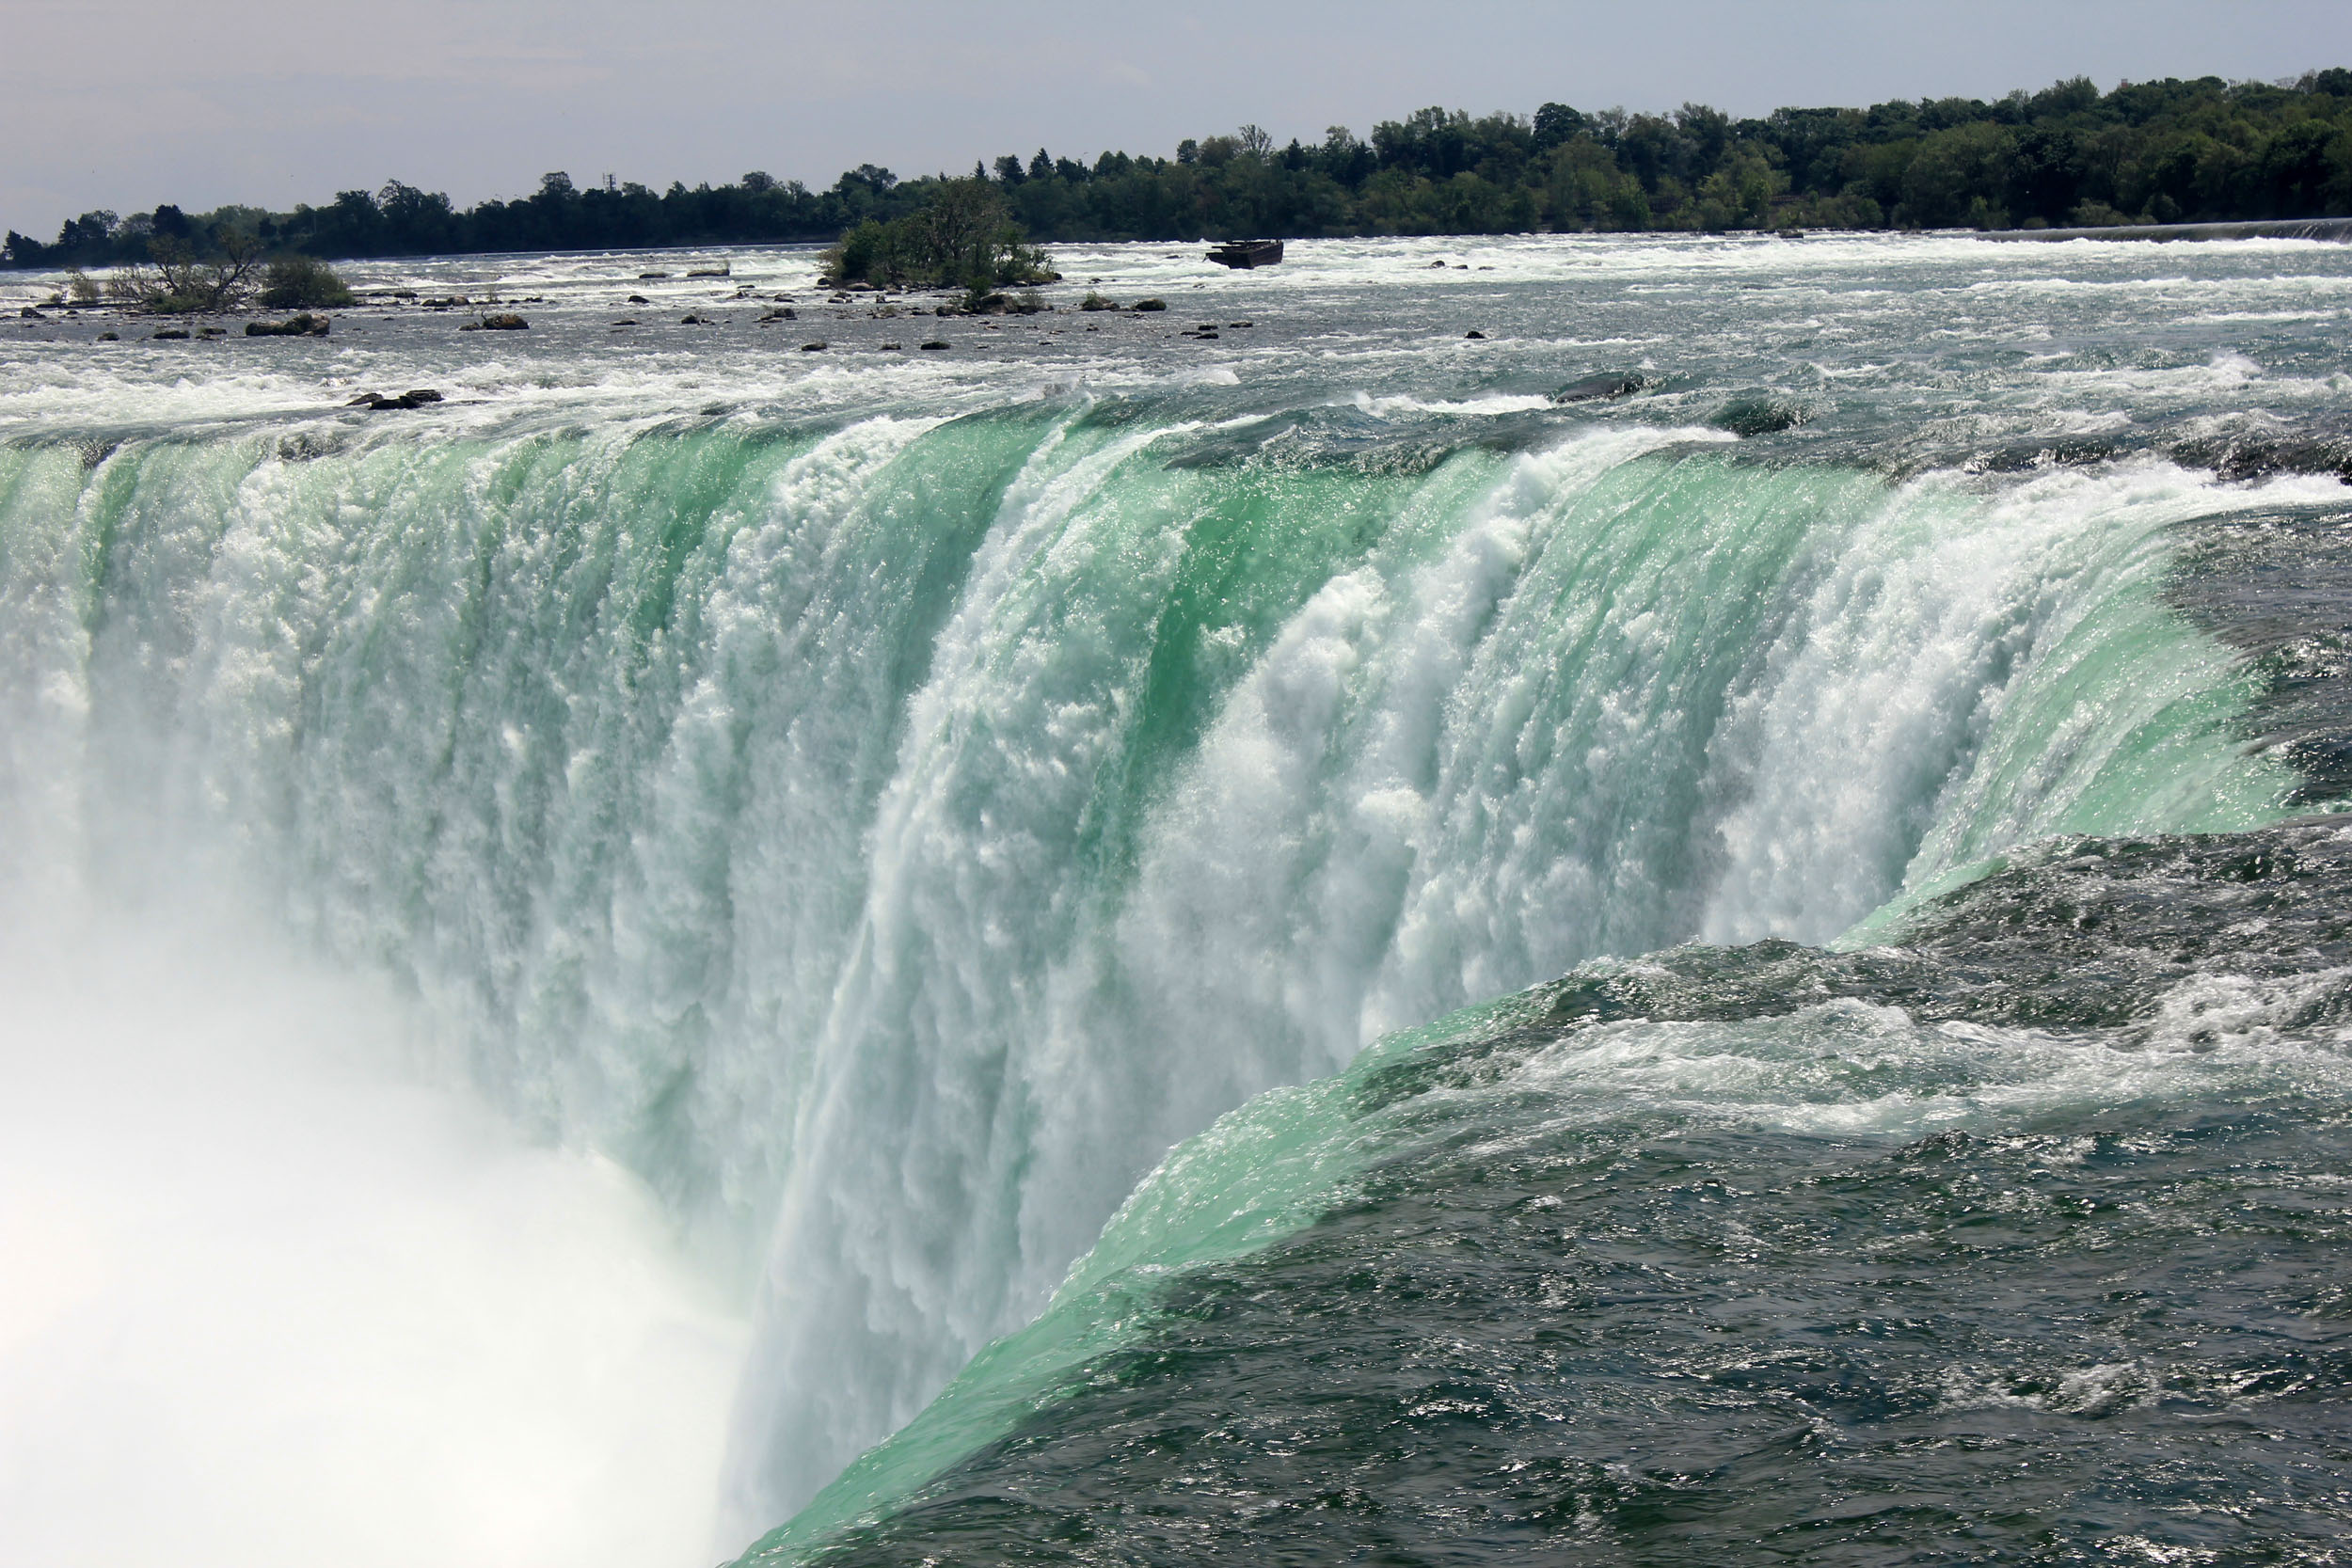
<point x="1233" y="934"/>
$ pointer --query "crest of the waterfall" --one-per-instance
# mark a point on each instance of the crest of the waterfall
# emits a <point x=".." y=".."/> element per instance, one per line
<point x="889" y="838"/>
<point x="1586" y="699"/>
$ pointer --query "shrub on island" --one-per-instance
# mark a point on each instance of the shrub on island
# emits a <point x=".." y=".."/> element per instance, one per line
<point x="177" y="280"/>
<point x="960" y="236"/>
<point x="303" y="283"/>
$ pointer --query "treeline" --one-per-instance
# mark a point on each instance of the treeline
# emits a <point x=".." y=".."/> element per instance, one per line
<point x="2165" y="152"/>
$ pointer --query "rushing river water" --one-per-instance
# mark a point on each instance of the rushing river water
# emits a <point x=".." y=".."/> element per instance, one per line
<point x="1753" y="969"/>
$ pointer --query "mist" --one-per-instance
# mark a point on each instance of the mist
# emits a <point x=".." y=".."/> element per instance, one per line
<point x="274" y="1296"/>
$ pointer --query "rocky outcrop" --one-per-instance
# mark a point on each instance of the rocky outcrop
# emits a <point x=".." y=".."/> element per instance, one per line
<point x="1609" y="383"/>
<point x="1760" y="414"/>
<point x="303" y="326"/>
<point x="377" y="402"/>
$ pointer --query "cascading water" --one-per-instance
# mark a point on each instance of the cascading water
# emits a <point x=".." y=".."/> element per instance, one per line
<point x="887" y="816"/>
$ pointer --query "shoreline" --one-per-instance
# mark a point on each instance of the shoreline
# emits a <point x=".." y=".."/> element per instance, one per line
<point x="2334" y="231"/>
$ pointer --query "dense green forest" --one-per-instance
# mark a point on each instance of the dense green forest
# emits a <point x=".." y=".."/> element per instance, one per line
<point x="2147" y="152"/>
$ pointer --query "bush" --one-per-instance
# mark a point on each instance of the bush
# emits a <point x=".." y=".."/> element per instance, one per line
<point x="180" y="282"/>
<point x="303" y="283"/>
<point x="959" y="236"/>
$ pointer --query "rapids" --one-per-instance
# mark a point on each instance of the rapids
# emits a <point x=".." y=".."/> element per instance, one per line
<point x="866" y="809"/>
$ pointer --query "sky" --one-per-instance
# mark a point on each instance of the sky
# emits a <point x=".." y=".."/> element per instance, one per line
<point x="123" y="103"/>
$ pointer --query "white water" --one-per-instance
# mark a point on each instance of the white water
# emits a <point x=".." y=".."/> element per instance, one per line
<point x="884" y="841"/>
<point x="271" y="1291"/>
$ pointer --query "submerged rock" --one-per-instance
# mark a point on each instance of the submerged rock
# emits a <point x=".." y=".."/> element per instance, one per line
<point x="303" y="326"/>
<point x="1761" y="415"/>
<point x="1609" y="383"/>
<point x="415" y="397"/>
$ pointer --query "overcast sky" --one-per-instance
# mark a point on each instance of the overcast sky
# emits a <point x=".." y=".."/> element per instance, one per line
<point x="123" y="103"/>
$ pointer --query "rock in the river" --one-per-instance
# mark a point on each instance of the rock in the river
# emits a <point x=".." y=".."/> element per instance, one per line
<point x="1609" y="383"/>
<point x="415" y="397"/>
<point x="1150" y="305"/>
<point x="1760" y="414"/>
<point x="502" y="322"/>
<point x="303" y="326"/>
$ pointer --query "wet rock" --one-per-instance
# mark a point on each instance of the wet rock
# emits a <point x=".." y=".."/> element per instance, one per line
<point x="639" y="299"/>
<point x="109" y="338"/>
<point x="377" y="402"/>
<point x="303" y="326"/>
<point x="650" y="277"/>
<point x="1759" y="415"/>
<point x="813" y="348"/>
<point x="503" y="323"/>
<point x="1150" y="305"/>
<point x="1473" y="332"/>
<point x="1609" y="383"/>
<point x="625" y="321"/>
<point x="936" y="343"/>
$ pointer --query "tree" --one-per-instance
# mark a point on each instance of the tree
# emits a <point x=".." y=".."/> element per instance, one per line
<point x="179" y="281"/>
<point x="1555" y="125"/>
